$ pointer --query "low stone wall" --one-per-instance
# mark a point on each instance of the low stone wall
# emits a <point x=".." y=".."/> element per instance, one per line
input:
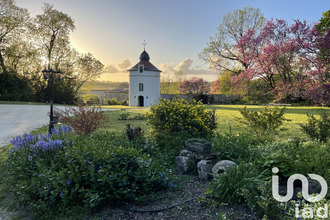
<point x="207" y="99"/>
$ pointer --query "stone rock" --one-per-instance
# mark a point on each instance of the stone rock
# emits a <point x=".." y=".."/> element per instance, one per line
<point x="204" y="169"/>
<point x="185" y="164"/>
<point x="199" y="155"/>
<point x="187" y="153"/>
<point x="198" y="147"/>
<point x="222" y="166"/>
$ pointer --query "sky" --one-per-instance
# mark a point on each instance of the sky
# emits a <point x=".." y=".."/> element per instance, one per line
<point x="175" y="30"/>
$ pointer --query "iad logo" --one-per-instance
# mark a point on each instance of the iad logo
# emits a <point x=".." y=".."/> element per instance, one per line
<point x="306" y="212"/>
<point x="304" y="181"/>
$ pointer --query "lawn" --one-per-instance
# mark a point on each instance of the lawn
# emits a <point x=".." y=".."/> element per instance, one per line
<point x="226" y="115"/>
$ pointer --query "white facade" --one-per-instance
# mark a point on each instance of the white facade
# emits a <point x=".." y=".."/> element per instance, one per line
<point x="144" y="83"/>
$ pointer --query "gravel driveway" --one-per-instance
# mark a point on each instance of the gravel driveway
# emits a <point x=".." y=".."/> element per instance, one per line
<point x="19" y="119"/>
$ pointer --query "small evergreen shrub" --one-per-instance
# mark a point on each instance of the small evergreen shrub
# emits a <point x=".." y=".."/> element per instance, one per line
<point x="171" y="116"/>
<point x="263" y="123"/>
<point x="317" y="129"/>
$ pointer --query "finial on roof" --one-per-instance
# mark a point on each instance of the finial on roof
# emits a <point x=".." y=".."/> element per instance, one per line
<point x="144" y="44"/>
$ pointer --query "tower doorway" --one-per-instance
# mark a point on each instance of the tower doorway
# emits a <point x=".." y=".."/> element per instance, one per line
<point x="141" y="101"/>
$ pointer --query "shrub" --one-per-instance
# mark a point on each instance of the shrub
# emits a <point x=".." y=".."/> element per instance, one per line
<point x="317" y="129"/>
<point x="84" y="120"/>
<point x="83" y="171"/>
<point x="234" y="184"/>
<point x="263" y="123"/>
<point x="236" y="147"/>
<point x="90" y="99"/>
<point x="167" y="146"/>
<point x="294" y="156"/>
<point x="171" y="116"/>
<point x="115" y="101"/>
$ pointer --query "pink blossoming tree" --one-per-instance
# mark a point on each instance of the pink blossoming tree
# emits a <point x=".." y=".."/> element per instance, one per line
<point x="287" y="57"/>
<point x="194" y="86"/>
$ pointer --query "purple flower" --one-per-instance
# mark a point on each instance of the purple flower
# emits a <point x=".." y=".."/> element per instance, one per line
<point x="30" y="158"/>
<point x="171" y="184"/>
<point x="68" y="183"/>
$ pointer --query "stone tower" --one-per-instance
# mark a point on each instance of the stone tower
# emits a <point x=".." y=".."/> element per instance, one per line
<point x="144" y="83"/>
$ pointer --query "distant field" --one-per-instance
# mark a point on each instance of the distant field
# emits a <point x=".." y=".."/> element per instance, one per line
<point x="105" y="85"/>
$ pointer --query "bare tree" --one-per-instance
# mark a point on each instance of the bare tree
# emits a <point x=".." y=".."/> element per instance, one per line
<point x="220" y="52"/>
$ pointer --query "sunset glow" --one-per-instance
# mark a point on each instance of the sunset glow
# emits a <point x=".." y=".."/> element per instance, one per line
<point x="175" y="31"/>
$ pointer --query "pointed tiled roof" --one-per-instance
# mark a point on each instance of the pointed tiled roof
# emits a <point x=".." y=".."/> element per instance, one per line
<point x="144" y="60"/>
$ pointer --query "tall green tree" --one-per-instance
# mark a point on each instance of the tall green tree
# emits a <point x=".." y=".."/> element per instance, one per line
<point x="88" y="68"/>
<point x="13" y="20"/>
<point x="220" y="52"/>
<point x="53" y="28"/>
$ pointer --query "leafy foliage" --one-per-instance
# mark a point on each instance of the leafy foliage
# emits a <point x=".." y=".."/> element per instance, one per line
<point x="286" y="57"/>
<point x="295" y="156"/>
<point x="195" y="86"/>
<point x="263" y="123"/>
<point x="220" y="52"/>
<point x="223" y="84"/>
<point x="171" y="116"/>
<point x="84" y="120"/>
<point x="115" y="101"/>
<point x="90" y="99"/>
<point x="80" y="171"/>
<point x="317" y="129"/>
<point x="236" y="147"/>
<point x="232" y="185"/>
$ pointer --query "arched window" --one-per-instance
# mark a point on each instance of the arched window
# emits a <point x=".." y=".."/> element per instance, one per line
<point x="140" y="87"/>
<point x="141" y="69"/>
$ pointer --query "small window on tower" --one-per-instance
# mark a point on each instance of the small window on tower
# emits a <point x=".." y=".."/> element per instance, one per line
<point x="141" y="87"/>
<point x="141" y="69"/>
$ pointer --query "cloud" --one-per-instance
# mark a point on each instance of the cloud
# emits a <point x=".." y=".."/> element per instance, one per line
<point x="119" y="67"/>
<point x="112" y="69"/>
<point x="186" y="70"/>
<point x="124" y="64"/>
<point x="186" y="67"/>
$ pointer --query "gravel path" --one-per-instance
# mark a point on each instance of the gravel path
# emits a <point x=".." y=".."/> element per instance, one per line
<point x="19" y="119"/>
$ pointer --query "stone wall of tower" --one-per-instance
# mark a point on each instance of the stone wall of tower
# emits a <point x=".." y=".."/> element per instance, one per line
<point x="151" y="88"/>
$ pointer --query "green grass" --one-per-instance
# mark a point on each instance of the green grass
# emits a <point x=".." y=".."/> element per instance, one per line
<point x="22" y="103"/>
<point x="115" y="125"/>
<point x="226" y="115"/>
<point x="120" y="107"/>
<point x="227" y="118"/>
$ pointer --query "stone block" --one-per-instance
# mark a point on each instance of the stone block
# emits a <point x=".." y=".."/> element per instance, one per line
<point x="185" y="164"/>
<point x="204" y="169"/>
<point x="198" y="147"/>
<point x="222" y="166"/>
